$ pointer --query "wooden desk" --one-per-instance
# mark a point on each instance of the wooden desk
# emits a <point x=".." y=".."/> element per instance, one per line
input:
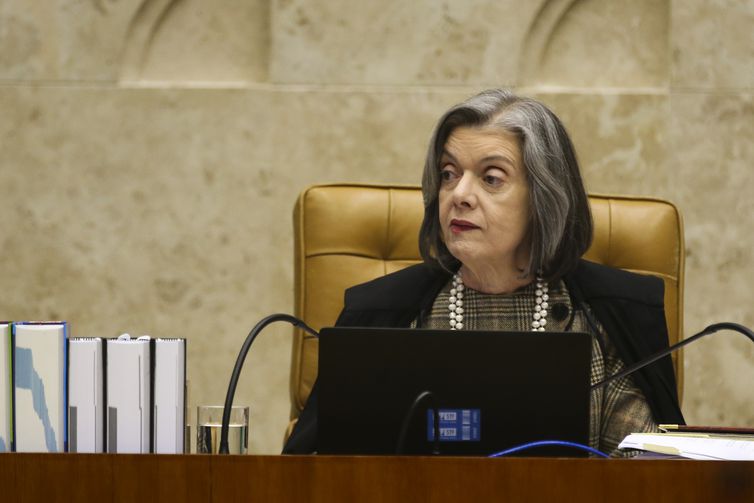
<point x="142" y="478"/>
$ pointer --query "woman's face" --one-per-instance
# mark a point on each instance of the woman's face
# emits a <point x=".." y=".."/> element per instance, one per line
<point x="484" y="199"/>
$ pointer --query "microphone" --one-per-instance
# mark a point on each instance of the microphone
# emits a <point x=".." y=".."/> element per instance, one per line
<point x="424" y="396"/>
<point x="239" y="364"/>
<point x="651" y="359"/>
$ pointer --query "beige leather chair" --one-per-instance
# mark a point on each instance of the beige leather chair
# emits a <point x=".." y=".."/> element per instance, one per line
<point x="346" y="234"/>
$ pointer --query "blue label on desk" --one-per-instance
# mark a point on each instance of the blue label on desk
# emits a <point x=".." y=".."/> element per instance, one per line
<point x="456" y="425"/>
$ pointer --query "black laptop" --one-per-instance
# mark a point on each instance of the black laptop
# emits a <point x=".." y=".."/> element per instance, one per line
<point x="492" y="390"/>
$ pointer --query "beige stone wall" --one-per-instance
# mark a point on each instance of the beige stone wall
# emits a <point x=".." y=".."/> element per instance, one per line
<point x="151" y="152"/>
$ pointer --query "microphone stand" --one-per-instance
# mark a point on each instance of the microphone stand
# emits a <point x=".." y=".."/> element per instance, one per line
<point x="239" y="365"/>
<point x="643" y="363"/>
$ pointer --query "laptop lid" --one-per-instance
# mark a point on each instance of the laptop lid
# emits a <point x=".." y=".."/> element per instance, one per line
<point x="494" y="390"/>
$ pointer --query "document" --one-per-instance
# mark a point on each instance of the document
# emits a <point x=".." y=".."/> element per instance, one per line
<point x="39" y="378"/>
<point x="693" y="446"/>
<point x="86" y="396"/>
<point x="169" y="396"/>
<point x="6" y="411"/>
<point x="128" y="395"/>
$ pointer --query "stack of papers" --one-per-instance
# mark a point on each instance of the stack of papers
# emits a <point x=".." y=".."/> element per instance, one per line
<point x="693" y="445"/>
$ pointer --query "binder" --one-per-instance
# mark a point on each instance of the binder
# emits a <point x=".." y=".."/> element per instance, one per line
<point x="86" y="395"/>
<point x="169" y="396"/>
<point x="39" y="386"/>
<point x="128" y="394"/>
<point x="6" y="389"/>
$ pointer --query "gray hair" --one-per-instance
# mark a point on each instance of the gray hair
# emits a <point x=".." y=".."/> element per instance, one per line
<point x="560" y="227"/>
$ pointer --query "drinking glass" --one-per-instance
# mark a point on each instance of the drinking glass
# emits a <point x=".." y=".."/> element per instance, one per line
<point x="209" y="420"/>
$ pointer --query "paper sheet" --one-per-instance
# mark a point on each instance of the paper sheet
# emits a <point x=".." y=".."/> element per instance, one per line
<point x="693" y="446"/>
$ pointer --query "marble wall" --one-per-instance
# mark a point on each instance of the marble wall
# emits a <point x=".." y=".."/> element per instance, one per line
<point x="151" y="152"/>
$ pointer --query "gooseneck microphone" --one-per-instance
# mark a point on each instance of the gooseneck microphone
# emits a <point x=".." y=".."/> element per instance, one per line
<point x="424" y="396"/>
<point x="239" y="365"/>
<point x="651" y="359"/>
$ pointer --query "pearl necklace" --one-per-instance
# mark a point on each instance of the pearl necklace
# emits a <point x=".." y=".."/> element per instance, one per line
<point x="455" y="305"/>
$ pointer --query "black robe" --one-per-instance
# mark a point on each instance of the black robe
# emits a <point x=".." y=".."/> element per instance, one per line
<point x="629" y="306"/>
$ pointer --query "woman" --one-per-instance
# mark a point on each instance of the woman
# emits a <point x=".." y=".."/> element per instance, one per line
<point x="505" y="225"/>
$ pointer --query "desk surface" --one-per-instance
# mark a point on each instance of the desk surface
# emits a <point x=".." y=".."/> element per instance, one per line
<point x="204" y="478"/>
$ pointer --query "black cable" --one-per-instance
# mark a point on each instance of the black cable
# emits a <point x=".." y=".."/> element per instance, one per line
<point x="424" y="396"/>
<point x="239" y="364"/>
<point x="643" y="363"/>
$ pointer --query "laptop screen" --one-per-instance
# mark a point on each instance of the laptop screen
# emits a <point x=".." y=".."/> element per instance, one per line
<point x="493" y="390"/>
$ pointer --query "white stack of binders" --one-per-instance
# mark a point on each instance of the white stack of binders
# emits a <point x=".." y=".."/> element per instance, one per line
<point x="90" y="394"/>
